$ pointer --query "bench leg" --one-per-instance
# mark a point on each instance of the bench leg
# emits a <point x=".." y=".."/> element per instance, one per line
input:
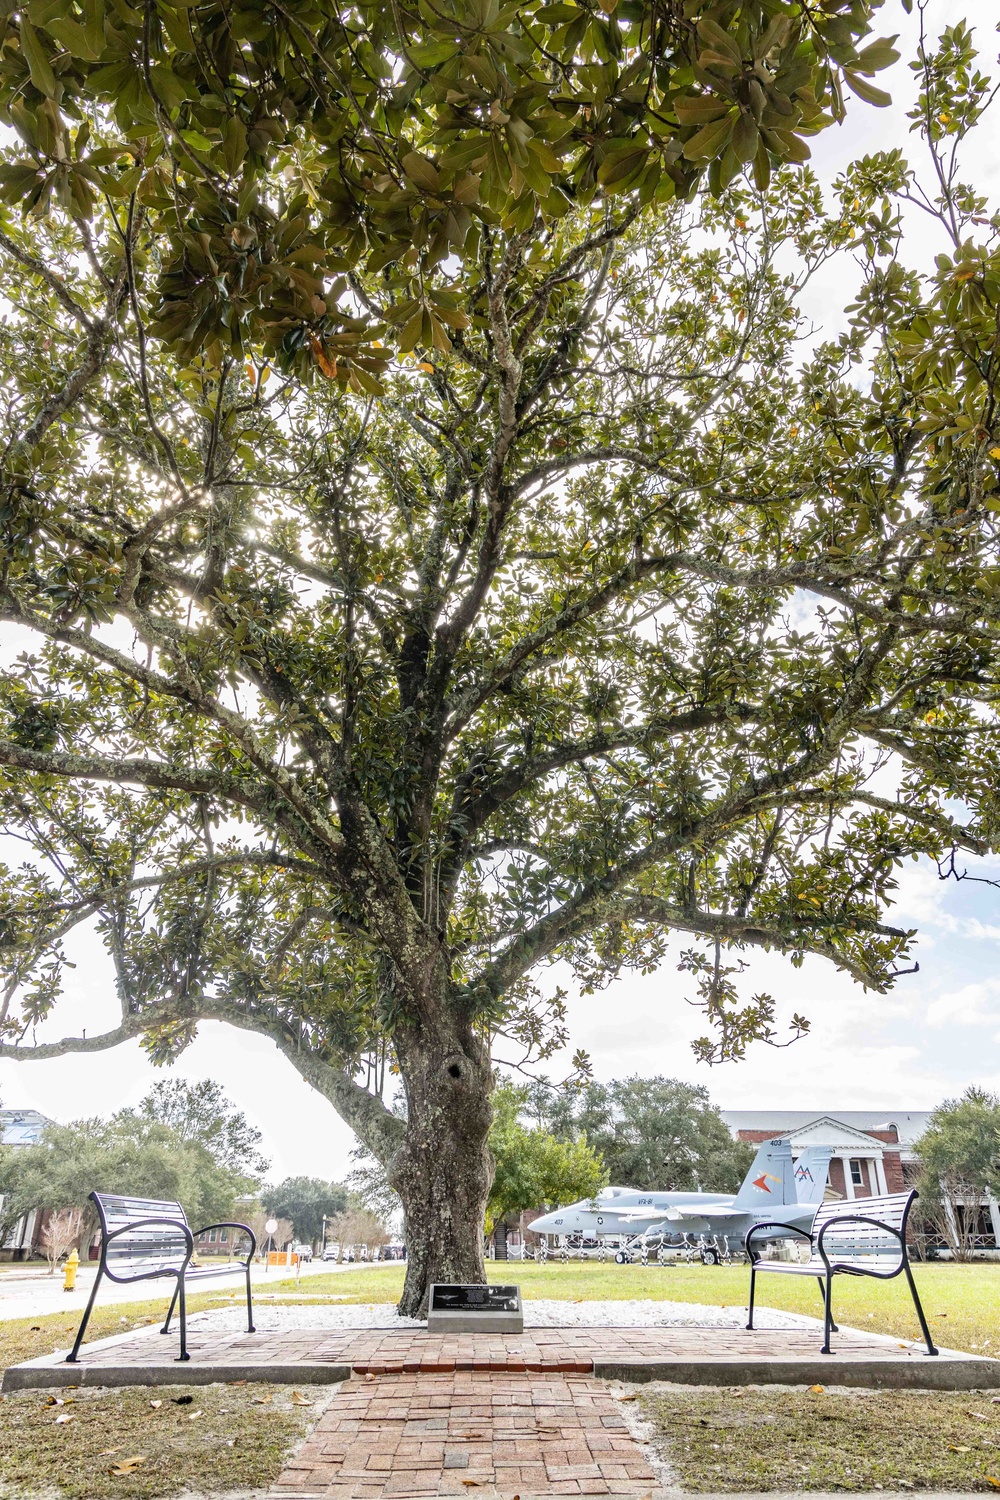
<point x="170" y="1309"/>
<point x="72" y="1359"/>
<point x="250" y="1327"/>
<point x="828" y="1323"/>
<point x="822" y="1292"/>
<point x="753" y="1278"/>
<point x="931" y="1349"/>
<point x="182" y="1313"/>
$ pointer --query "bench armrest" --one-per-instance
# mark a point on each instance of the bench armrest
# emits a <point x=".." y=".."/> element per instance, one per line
<point x="857" y="1219"/>
<point x="772" y="1224"/>
<point x="230" y="1224"/>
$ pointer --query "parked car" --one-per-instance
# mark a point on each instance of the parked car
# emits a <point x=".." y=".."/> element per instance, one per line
<point x="304" y="1252"/>
<point x="331" y="1252"/>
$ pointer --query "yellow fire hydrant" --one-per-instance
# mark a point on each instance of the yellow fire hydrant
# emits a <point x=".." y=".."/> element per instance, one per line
<point x="69" y="1271"/>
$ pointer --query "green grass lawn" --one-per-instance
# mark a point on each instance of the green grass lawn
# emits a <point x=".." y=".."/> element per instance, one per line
<point x="962" y="1302"/>
<point x="779" y="1439"/>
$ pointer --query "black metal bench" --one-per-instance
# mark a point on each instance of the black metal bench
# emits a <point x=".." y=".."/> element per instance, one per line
<point x="142" y="1238"/>
<point x="866" y="1237"/>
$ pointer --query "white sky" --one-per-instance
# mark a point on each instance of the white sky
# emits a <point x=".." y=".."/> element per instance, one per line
<point x="937" y="1033"/>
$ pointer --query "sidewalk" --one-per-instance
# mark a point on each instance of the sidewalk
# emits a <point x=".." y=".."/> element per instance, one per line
<point x="28" y="1295"/>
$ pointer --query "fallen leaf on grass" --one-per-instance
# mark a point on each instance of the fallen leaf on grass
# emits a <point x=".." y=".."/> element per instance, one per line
<point x="993" y="1480"/>
<point x="299" y="1400"/>
<point x="958" y="1448"/>
<point x="980" y="1416"/>
<point x="816" y="1390"/>
<point x="261" y="1400"/>
<point x="129" y="1465"/>
<point x="107" y="1452"/>
<point x="194" y="1415"/>
<point x="236" y="1382"/>
<point x="66" y="1416"/>
<point x="156" y="1403"/>
<point x="628" y="1398"/>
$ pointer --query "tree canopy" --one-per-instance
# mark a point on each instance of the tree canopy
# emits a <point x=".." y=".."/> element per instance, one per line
<point x="127" y="1153"/>
<point x="608" y="618"/>
<point x="655" y="1133"/>
<point x="959" y="1156"/>
<point x="201" y="1112"/>
<point x="304" y="1201"/>
<point x="533" y="1167"/>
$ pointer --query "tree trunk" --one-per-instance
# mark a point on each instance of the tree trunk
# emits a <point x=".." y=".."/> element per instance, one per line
<point x="443" y="1171"/>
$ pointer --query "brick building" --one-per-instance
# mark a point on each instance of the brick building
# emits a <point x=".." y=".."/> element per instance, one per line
<point x="873" y="1151"/>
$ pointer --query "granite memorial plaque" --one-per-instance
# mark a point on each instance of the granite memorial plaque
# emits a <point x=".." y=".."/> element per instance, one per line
<point x="475" y="1309"/>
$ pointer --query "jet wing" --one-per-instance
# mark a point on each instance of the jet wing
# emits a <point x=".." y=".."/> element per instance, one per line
<point x="709" y="1212"/>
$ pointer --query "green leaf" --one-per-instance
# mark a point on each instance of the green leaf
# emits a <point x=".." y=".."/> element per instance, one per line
<point x="39" y="66"/>
<point x="710" y="141"/>
<point x="867" y="91"/>
<point x="77" y="40"/>
<point x="719" y="41"/>
<point x="234" y="145"/>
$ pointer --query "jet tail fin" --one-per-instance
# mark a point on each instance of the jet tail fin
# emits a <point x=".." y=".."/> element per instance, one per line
<point x="811" y="1173"/>
<point x="769" y="1181"/>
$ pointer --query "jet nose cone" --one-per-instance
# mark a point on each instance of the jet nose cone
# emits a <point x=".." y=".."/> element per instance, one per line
<point x="547" y="1224"/>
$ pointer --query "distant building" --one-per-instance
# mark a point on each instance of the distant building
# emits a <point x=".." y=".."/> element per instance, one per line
<point x="873" y="1151"/>
<point x="22" y="1127"/>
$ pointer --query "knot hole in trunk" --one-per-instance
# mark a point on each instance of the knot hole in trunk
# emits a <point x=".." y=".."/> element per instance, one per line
<point x="456" y="1067"/>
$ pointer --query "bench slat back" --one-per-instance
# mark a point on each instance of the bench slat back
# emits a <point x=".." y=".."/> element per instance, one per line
<point x="149" y="1249"/>
<point x="863" y="1244"/>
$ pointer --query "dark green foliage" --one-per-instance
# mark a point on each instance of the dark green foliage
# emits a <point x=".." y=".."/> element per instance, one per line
<point x="533" y="1167"/>
<point x="128" y="1153"/>
<point x="304" y="1200"/>
<point x="655" y="1133"/>
<point x="201" y="1112"/>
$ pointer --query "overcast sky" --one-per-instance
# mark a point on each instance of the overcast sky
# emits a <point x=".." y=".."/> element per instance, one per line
<point x="938" y="1032"/>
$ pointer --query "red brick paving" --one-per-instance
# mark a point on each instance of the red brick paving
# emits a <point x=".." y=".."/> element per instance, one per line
<point x="559" y="1350"/>
<point x="392" y="1436"/>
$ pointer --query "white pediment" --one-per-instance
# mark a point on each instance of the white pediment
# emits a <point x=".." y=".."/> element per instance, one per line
<point x="828" y="1131"/>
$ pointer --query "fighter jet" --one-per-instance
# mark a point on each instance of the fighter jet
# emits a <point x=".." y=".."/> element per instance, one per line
<point x="775" y="1189"/>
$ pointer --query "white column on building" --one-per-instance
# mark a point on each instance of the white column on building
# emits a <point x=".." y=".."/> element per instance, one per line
<point x="877" y="1168"/>
<point x="995" y="1218"/>
<point x="848" y="1180"/>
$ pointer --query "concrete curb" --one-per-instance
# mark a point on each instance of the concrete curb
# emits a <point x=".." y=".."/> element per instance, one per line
<point x="928" y="1374"/>
<point x="49" y="1376"/>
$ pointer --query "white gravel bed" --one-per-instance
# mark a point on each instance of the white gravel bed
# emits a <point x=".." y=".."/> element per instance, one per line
<point x="543" y="1313"/>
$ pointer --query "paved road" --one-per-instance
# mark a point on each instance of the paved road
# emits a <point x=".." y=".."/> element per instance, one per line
<point x="31" y="1293"/>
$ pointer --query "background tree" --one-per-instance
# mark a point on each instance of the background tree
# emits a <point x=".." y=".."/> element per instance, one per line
<point x="201" y="1112"/>
<point x="128" y="1153"/>
<point x="304" y="1200"/>
<point x="532" y="1167"/>
<point x="361" y="692"/>
<point x="357" y="1226"/>
<point x="60" y="1233"/>
<point x="655" y="1133"/>
<point x="959" y="1155"/>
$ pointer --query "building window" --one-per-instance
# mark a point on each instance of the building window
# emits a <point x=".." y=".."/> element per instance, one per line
<point x="223" y="1236"/>
<point x="211" y="1237"/>
<point x="857" y="1176"/>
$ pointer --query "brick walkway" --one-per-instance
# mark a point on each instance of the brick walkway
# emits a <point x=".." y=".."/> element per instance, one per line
<point x="408" y="1435"/>
<point x="560" y="1350"/>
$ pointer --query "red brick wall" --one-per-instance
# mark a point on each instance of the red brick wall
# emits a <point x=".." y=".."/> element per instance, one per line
<point x="892" y="1166"/>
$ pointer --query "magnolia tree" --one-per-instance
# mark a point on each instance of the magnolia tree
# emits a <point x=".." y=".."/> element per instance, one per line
<point x="428" y="558"/>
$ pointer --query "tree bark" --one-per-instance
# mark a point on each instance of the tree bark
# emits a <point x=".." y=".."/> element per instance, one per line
<point x="442" y="1170"/>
